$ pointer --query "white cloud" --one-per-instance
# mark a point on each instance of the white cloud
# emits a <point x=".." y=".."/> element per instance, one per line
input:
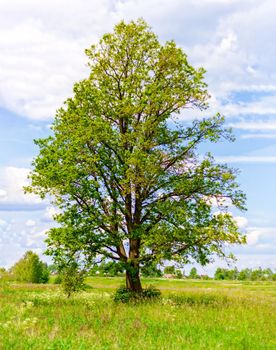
<point x="40" y="234"/>
<point x="3" y="194"/>
<point x="18" y="235"/>
<point x="241" y="221"/>
<point x="235" y="62"/>
<point x="255" y="125"/>
<point x="259" y="136"/>
<point x="261" y="239"/>
<point x="3" y="222"/>
<point x="253" y="237"/>
<point x="256" y="260"/>
<point x="13" y="179"/>
<point x="50" y="212"/>
<point x="30" y="223"/>
<point x="42" y="46"/>
<point x="35" y="240"/>
<point x="246" y="159"/>
<point x="42" y="51"/>
<point x="261" y="108"/>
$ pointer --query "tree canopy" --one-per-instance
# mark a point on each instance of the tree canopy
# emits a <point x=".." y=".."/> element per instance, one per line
<point x="124" y="172"/>
<point x="193" y="273"/>
<point x="31" y="269"/>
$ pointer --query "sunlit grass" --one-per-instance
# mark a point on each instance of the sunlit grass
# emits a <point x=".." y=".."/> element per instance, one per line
<point x="190" y="315"/>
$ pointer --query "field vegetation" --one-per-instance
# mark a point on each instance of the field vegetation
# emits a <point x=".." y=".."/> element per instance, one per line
<point x="191" y="314"/>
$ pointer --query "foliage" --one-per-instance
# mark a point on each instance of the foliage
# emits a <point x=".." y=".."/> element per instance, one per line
<point x="125" y="174"/>
<point x="245" y="274"/>
<point x="178" y="274"/>
<point x="58" y="279"/>
<point x="205" y="277"/>
<point x="170" y="270"/>
<point x="31" y="269"/>
<point x="126" y="295"/>
<point x="5" y="275"/>
<point x="226" y="274"/>
<point x="108" y="268"/>
<point x="72" y="279"/>
<point x="53" y="268"/>
<point x="193" y="273"/>
<point x="151" y="292"/>
<point x="150" y="269"/>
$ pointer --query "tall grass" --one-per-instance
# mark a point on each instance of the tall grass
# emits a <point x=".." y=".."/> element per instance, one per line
<point x="191" y="315"/>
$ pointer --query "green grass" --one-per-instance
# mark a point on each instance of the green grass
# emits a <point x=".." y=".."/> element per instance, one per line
<point x="191" y="315"/>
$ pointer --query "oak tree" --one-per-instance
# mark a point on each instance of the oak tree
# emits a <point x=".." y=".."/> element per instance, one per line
<point x="123" y="169"/>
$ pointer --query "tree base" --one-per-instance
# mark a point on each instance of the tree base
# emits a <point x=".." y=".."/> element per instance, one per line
<point x="125" y="295"/>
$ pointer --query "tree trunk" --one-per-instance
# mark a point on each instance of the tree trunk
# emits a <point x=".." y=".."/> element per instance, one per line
<point x="133" y="281"/>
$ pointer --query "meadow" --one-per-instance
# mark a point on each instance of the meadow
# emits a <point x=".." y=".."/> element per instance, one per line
<point x="192" y="315"/>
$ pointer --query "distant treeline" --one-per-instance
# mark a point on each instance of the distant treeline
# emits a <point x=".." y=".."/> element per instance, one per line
<point x="31" y="269"/>
<point x="245" y="274"/>
<point x="153" y="270"/>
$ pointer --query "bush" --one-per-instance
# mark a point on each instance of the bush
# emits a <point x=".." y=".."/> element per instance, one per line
<point x="169" y="270"/>
<point x="31" y="269"/>
<point x="151" y="292"/>
<point x="205" y="277"/>
<point x="193" y="273"/>
<point x="125" y="295"/>
<point x="45" y="274"/>
<point x="72" y="280"/>
<point x="6" y="276"/>
<point x="58" y="279"/>
<point x="178" y="274"/>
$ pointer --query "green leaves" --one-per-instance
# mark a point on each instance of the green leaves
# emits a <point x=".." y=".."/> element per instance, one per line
<point x="129" y="183"/>
<point x="31" y="269"/>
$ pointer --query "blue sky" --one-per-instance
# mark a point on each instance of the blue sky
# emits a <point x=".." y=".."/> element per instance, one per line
<point x="42" y="54"/>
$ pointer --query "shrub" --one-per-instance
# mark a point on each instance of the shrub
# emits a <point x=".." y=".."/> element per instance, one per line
<point x="58" y="279"/>
<point x="151" y="292"/>
<point x="31" y="269"/>
<point x="193" y="273"/>
<point x="125" y="295"/>
<point x="169" y="270"/>
<point x="72" y="280"/>
<point x="178" y="274"/>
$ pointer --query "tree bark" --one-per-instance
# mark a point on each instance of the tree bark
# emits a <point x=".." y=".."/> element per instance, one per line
<point x="133" y="281"/>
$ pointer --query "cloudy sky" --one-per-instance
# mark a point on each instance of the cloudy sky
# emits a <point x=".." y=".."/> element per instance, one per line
<point x="42" y="54"/>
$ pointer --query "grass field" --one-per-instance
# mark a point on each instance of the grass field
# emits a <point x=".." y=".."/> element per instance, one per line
<point x="191" y="315"/>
